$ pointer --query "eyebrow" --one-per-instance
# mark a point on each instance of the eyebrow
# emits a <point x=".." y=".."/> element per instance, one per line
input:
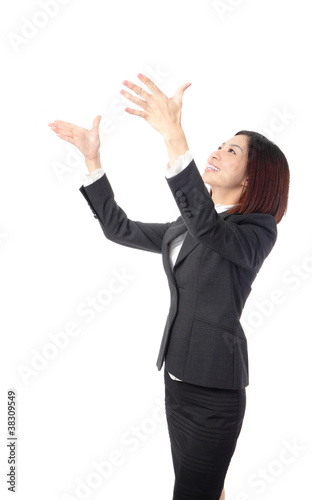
<point x="234" y="146"/>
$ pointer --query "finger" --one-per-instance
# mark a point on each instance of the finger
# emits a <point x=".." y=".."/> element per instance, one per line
<point x="180" y="90"/>
<point x="63" y="134"/>
<point x="135" y="112"/>
<point x="67" y="125"/>
<point x="59" y="128"/>
<point x="138" y="90"/>
<point x="55" y="129"/>
<point x="61" y="122"/>
<point x="134" y="99"/>
<point x="151" y="85"/>
<point x="96" y="121"/>
<point x="179" y="93"/>
<point x="66" y="138"/>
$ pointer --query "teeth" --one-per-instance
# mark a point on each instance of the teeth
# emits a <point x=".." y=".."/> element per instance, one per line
<point x="214" y="168"/>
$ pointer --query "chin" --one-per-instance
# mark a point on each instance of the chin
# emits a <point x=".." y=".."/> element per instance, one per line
<point x="208" y="185"/>
<point x="206" y="176"/>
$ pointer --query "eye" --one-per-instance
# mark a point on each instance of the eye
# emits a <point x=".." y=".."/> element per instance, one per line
<point x="229" y="149"/>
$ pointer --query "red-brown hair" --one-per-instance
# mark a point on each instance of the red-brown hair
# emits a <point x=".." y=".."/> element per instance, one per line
<point x="268" y="178"/>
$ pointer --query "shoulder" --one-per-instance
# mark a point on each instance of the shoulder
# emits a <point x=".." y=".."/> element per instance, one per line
<point x="257" y="221"/>
<point x="251" y="218"/>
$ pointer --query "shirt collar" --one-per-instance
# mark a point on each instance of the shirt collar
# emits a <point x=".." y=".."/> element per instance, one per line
<point x="222" y="208"/>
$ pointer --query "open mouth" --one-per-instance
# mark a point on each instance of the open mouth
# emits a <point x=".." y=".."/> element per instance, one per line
<point x="212" y="168"/>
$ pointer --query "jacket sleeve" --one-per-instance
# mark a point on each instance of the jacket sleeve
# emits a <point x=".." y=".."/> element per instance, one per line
<point x="114" y="222"/>
<point x="245" y="239"/>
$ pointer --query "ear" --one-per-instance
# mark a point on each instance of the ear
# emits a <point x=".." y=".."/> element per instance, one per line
<point x="245" y="182"/>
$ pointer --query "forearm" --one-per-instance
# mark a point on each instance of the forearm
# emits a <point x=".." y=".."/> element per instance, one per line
<point x="176" y="144"/>
<point x="115" y="223"/>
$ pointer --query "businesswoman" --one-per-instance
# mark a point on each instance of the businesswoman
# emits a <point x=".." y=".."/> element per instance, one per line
<point x="211" y="255"/>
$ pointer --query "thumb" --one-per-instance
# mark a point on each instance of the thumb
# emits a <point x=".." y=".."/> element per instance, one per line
<point x="96" y="122"/>
<point x="180" y="91"/>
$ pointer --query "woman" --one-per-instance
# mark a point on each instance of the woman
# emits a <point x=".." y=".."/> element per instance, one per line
<point x="211" y="255"/>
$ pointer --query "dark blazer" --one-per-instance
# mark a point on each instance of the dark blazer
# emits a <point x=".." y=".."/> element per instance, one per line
<point x="203" y="341"/>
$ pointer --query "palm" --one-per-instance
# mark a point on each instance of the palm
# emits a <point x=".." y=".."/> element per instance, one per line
<point x="175" y="107"/>
<point x="87" y="141"/>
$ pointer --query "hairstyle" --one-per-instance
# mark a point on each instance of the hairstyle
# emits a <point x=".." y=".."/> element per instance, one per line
<point x="268" y="178"/>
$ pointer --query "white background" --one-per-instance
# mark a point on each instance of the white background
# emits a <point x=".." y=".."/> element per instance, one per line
<point x="248" y="62"/>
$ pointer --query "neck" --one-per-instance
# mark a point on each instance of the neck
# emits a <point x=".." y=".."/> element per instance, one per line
<point x="225" y="196"/>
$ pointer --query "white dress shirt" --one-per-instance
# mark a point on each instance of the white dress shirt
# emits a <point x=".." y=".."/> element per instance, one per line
<point x="180" y="163"/>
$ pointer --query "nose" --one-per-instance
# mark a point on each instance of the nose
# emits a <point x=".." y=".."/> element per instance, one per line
<point x="214" y="156"/>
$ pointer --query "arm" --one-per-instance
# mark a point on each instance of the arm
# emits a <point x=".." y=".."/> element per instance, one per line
<point x="87" y="179"/>
<point x="245" y="239"/>
<point x="114" y="222"/>
<point x="99" y="194"/>
<point x="96" y="172"/>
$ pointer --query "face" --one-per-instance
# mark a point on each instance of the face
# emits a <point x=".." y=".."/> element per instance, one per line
<point x="231" y="160"/>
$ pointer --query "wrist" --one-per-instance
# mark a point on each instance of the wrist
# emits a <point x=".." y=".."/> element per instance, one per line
<point x="93" y="163"/>
<point x="175" y="133"/>
<point x="176" y="144"/>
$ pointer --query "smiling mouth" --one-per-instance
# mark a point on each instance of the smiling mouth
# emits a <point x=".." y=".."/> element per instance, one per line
<point x="212" y="168"/>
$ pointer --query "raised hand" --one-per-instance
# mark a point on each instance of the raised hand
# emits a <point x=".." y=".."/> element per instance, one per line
<point x="87" y="141"/>
<point x="161" y="112"/>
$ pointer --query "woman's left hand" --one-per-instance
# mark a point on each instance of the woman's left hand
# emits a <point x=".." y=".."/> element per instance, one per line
<point x="161" y="112"/>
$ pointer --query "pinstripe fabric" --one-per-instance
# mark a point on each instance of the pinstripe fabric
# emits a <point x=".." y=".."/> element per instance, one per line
<point x="204" y="424"/>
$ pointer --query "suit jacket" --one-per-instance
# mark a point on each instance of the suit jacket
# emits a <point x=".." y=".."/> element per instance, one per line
<point x="203" y="341"/>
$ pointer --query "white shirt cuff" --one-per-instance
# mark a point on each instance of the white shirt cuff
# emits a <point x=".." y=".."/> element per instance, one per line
<point x="180" y="163"/>
<point x="94" y="176"/>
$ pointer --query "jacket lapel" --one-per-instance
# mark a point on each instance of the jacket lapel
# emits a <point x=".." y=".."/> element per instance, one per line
<point x="177" y="228"/>
<point x="189" y="243"/>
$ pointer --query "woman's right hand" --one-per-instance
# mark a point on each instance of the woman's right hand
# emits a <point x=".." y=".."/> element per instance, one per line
<point x="87" y="141"/>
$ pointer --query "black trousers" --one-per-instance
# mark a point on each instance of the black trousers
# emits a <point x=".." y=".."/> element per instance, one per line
<point x="204" y="424"/>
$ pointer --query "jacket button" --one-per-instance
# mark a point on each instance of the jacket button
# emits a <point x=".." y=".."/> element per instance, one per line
<point x="183" y="204"/>
<point x="179" y="193"/>
<point x="182" y="198"/>
<point x="188" y="214"/>
<point x="95" y="216"/>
